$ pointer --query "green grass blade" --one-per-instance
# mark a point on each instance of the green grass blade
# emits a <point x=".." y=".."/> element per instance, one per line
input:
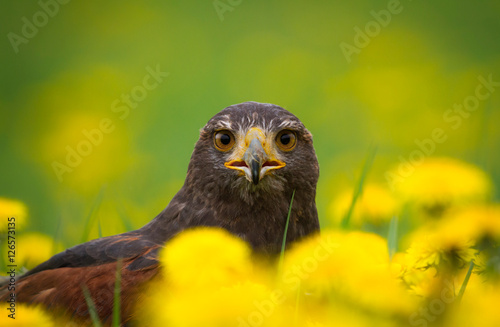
<point x="122" y="212"/>
<point x="91" y="306"/>
<point x="91" y="216"/>
<point x="392" y="238"/>
<point x="283" y="245"/>
<point x="466" y="281"/>
<point x="359" y="188"/>
<point x="116" y="299"/>
<point x="57" y="232"/>
<point x="99" y="229"/>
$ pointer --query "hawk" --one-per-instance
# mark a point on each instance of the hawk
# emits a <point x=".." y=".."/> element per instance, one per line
<point x="249" y="160"/>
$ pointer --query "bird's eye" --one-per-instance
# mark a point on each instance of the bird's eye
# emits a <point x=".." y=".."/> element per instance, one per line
<point x="286" y="140"/>
<point x="224" y="140"/>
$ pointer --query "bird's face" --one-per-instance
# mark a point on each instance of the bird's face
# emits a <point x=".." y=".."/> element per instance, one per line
<point x="255" y="147"/>
<point x="254" y="151"/>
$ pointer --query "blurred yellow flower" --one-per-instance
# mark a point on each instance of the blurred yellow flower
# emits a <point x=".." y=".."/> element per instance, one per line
<point x="438" y="250"/>
<point x="479" y="306"/>
<point x="353" y="267"/>
<point x="454" y="239"/>
<point x="325" y="280"/>
<point x="422" y="282"/>
<point x="34" y="248"/>
<point x="26" y="316"/>
<point x="12" y="208"/>
<point x="81" y="137"/>
<point x="210" y="272"/>
<point x="206" y="257"/>
<point x="442" y="249"/>
<point x="473" y="223"/>
<point x="375" y="205"/>
<point x="336" y="313"/>
<point x="440" y="183"/>
<point x="82" y="145"/>
<point x="224" y="306"/>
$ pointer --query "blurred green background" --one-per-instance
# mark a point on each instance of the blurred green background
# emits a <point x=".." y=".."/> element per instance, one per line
<point x="65" y="79"/>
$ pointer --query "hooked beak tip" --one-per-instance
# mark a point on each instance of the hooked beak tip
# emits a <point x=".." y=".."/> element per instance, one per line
<point x="255" y="169"/>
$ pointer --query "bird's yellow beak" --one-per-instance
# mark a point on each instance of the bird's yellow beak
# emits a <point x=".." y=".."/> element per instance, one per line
<point x="255" y="156"/>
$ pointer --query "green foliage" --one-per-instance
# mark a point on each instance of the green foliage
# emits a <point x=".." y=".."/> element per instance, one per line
<point x="91" y="306"/>
<point x="392" y="238"/>
<point x="283" y="244"/>
<point x="466" y="281"/>
<point x="359" y="188"/>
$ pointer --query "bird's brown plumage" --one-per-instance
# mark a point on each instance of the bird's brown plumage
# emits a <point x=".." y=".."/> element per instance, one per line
<point x="255" y="209"/>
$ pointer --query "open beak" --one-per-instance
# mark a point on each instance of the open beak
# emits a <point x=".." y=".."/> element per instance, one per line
<point x="256" y="157"/>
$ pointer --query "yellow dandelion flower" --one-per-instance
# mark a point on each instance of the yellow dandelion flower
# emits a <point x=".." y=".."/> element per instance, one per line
<point x="353" y="266"/>
<point x="460" y="235"/>
<point x="479" y="306"/>
<point x="375" y="205"/>
<point x="440" y="183"/>
<point x="12" y="209"/>
<point x="474" y="223"/>
<point x="226" y="306"/>
<point x="205" y="257"/>
<point x="34" y="248"/>
<point x="320" y="260"/>
<point x="243" y="303"/>
<point x="453" y="240"/>
<point x="211" y="272"/>
<point x="335" y="313"/>
<point x="26" y="316"/>
<point x="422" y="282"/>
<point x="431" y="284"/>
<point x="440" y="250"/>
<point x="443" y="249"/>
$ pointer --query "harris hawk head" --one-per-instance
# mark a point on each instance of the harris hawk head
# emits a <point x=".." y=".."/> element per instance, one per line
<point x="248" y="162"/>
<point x="256" y="150"/>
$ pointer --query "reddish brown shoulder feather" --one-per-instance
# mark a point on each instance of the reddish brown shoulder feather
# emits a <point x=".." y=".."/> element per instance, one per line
<point x="61" y="290"/>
